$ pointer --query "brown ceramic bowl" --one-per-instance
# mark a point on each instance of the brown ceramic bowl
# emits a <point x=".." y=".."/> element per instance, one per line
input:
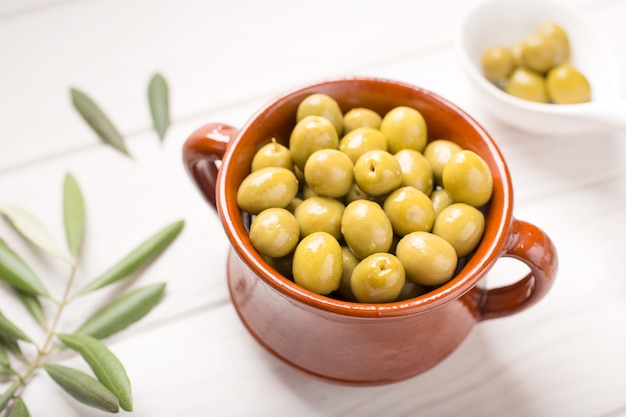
<point x="360" y="343"/>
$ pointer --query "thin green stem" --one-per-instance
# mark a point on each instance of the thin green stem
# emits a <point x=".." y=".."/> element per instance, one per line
<point x="46" y="349"/>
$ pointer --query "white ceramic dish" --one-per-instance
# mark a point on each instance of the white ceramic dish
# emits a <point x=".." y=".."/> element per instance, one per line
<point x="504" y="22"/>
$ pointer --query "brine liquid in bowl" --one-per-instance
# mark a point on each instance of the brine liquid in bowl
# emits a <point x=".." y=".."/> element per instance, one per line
<point x="506" y="22"/>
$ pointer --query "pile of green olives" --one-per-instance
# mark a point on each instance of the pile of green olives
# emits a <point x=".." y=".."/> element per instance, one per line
<point x="538" y="68"/>
<point x="362" y="206"/>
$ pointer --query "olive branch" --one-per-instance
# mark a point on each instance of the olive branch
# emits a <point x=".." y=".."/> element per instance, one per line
<point x="21" y="357"/>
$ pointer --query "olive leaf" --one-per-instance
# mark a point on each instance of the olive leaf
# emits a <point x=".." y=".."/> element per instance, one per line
<point x="139" y="257"/>
<point x="5" y="363"/>
<point x="4" y="358"/>
<point x="122" y="312"/>
<point x="15" y="271"/>
<point x="7" y="395"/>
<point x="83" y="387"/>
<point x="6" y="370"/>
<point x="34" y="307"/>
<point x="104" y="364"/>
<point x="98" y="121"/>
<point x="10" y="345"/>
<point x="20" y="409"/>
<point x="73" y="214"/>
<point x="158" y="97"/>
<point x="11" y="331"/>
<point x="32" y="229"/>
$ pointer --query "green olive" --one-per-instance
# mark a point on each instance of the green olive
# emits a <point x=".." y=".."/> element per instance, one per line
<point x="409" y="210"/>
<point x="411" y="290"/>
<point x="416" y="170"/>
<point x="299" y="174"/>
<point x="377" y="173"/>
<point x="274" y="232"/>
<point x="366" y="228"/>
<point x="272" y="154"/>
<point x="321" y="105"/>
<point x="282" y="265"/>
<point x="266" y="188"/>
<point x="467" y="179"/>
<point x="437" y="153"/>
<point x="329" y="173"/>
<point x="309" y="135"/>
<point x="528" y="85"/>
<point x="349" y="261"/>
<point x="497" y="63"/>
<point x="555" y="34"/>
<point x="462" y="226"/>
<point x="379" y="278"/>
<point x="405" y="128"/>
<point x="320" y="214"/>
<point x="307" y="192"/>
<point x="360" y="117"/>
<point x="356" y="193"/>
<point x="539" y="53"/>
<point x="427" y="258"/>
<point x="441" y="200"/>
<point x="317" y="263"/>
<point x="567" y="85"/>
<point x="293" y="204"/>
<point x="516" y="54"/>
<point x="360" y="140"/>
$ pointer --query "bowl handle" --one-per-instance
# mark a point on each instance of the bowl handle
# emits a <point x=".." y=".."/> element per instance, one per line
<point x="532" y="246"/>
<point x="202" y="149"/>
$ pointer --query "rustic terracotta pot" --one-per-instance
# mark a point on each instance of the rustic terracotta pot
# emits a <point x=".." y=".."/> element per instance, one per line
<point x="366" y="343"/>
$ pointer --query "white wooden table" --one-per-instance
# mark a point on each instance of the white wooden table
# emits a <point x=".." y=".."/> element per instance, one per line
<point x="191" y="356"/>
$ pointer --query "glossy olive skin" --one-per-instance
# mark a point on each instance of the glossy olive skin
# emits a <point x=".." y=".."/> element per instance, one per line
<point x="360" y="117"/>
<point x="310" y="134"/>
<point x="356" y="193"/>
<point x="274" y="232"/>
<point x="462" y="226"/>
<point x="320" y="214"/>
<point x="416" y="170"/>
<point x="409" y="210"/>
<point x="272" y="154"/>
<point x="349" y="261"/>
<point x="538" y="68"/>
<point x="293" y="204"/>
<point x="317" y="263"/>
<point x="556" y="35"/>
<point x="497" y="63"/>
<point x="566" y="85"/>
<point x="467" y="179"/>
<point x="266" y="188"/>
<point x="308" y="192"/>
<point x="438" y="152"/>
<point x="440" y="199"/>
<point x="379" y="278"/>
<point x="366" y="228"/>
<point x="360" y="140"/>
<point x="516" y="54"/>
<point x="329" y="173"/>
<point x="538" y="53"/>
<point x="427" y="258"/>
<point x="411" y="290"/>
<point x="527" y="85"/>
<point x="377" y="173"/>
<point x="324" y="106"/>
<point x="282" y="265"/>
<point x="405" y="128"/>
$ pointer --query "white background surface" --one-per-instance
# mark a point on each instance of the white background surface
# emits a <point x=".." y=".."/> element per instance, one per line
<point x="192" y="356"/>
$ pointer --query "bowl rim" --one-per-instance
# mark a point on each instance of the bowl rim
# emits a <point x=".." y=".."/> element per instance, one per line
<point x="483" y="259"/>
